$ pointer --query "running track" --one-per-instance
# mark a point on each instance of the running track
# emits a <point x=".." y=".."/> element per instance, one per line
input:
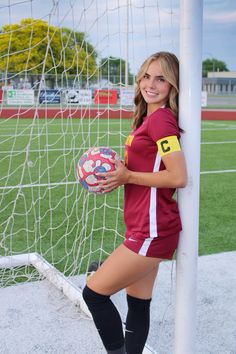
<point x="73" y="112"/>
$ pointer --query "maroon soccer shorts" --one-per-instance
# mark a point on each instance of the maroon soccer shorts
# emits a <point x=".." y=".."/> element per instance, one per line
<point x="158" y="247"/>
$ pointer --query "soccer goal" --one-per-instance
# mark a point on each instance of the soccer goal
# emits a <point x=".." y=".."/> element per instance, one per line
<point x="67" y="83"/>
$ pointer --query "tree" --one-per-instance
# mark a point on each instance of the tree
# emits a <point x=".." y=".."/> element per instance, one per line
<point x="35" y="47"/>
<point x="79" y="38"/>
<point x="213" y="65"/>
<point x="113" y="70"/>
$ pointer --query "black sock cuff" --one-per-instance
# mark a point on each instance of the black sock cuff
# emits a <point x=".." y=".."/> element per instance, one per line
<point x="91" y="296"/>
<point x="138" y="303"/>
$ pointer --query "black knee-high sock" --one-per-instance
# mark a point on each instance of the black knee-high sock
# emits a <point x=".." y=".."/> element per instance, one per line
<point x="106" y="319"/>
<point x="137" y="324"/>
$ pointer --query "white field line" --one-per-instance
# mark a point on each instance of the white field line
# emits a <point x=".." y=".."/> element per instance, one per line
<point x="228" y="128"/>
<point x="216" y="172"/>
<point x="75" y="134"/>
<point x="84" y="148"/>
<point x="112" y="122"/>
<point x="233" y="127"/>
<point x="56" y="184"/>
<point x="49" y="185"/>
<point x="218" y="142"/>
<point x="52" y="125"/>
<point x="87" y="121"/>
<point x="217" y="123"/>
<point x="87" y="147"/>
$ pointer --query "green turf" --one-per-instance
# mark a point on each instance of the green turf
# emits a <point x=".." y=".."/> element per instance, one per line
<point x="223" y="106"/>
<point x="70" y="227"/>
<point x="217" y="191"/>
<point x="217" y="213"/>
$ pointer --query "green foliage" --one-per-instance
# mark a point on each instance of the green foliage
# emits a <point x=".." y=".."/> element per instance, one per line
<point x="213" y="65"/>
<point x="114" y="70"/>
<point x="37" y="47"/>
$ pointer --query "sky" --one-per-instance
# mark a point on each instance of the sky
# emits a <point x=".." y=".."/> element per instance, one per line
<point x="136" y="31"/>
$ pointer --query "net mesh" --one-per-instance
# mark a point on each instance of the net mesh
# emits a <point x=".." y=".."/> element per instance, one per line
<point x="54" y="59"/>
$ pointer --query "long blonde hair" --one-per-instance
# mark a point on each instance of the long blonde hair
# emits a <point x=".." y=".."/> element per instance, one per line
<point x="170" y="68"/>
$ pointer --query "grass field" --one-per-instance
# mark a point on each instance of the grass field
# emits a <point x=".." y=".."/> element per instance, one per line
<point x="218" y="188"/>
<point x="44" y="209"/>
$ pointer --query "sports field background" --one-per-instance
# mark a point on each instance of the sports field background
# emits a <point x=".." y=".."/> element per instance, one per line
<point x="44" y="218"/>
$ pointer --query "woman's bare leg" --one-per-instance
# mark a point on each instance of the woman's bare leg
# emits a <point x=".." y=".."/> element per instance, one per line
<point x="122" y="269"/>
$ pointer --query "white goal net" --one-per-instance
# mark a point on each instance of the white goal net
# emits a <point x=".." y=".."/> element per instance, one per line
<point x="67" y="71"/>
<point x="67" y="80"/>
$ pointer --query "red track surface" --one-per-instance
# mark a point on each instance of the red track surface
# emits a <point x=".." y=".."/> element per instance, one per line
<point x="24" y="112"/>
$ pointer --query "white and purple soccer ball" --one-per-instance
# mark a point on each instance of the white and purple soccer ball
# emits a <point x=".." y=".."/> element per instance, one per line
<point x="94" y="160"/>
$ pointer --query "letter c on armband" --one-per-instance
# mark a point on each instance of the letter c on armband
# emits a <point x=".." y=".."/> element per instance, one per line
<point x="168" y="144"/>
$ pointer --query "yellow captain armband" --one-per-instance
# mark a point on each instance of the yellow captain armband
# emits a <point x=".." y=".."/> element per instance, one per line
<point x="168" y="144"/>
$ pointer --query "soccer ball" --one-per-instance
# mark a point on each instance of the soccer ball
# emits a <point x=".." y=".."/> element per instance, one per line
<point x="93" y="161"/>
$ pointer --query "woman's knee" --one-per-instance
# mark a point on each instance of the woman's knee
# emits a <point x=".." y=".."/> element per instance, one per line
<point x="92" y="298"/>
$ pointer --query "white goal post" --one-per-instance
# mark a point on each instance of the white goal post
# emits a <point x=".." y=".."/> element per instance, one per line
<point x="191" y="16"/>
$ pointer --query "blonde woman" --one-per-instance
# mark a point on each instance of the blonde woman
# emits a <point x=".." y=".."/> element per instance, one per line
<point x="153" y="168"/>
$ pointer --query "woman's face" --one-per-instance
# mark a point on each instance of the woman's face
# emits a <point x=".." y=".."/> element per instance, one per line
<point x="154" y="87"/>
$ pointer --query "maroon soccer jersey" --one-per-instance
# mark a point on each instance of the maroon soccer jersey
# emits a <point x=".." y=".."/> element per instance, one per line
<point x="150" y="212"/>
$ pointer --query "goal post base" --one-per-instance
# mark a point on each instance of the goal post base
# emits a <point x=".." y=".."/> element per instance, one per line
<point x="48" y="271"/>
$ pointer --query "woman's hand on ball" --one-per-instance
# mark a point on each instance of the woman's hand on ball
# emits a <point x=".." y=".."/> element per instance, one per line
<point x="115" y="178"/>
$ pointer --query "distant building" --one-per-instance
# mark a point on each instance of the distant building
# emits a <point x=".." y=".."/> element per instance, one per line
<point x="220" y="82"/>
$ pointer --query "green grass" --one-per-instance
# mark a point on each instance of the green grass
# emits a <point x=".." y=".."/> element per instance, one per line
<point x="217" y="213"/>
<point x="217" y="191"/>
<point x="70" y="227"/>
<point x="224" y="106"/>
<point x="56" y="217"/>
